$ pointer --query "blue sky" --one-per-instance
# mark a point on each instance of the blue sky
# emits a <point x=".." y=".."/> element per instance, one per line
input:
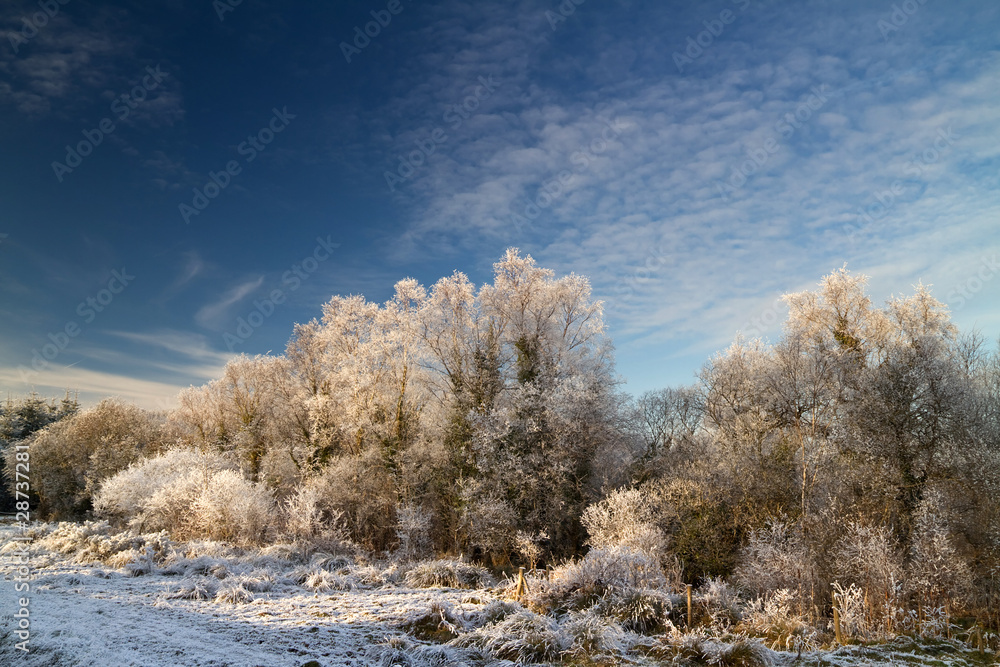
<point x="170" y="168"/>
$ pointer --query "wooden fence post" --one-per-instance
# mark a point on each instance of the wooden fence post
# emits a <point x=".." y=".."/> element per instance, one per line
<point x="522" y="585"/>
<point x="836" y="622"/>
<point x="690" y="610"/>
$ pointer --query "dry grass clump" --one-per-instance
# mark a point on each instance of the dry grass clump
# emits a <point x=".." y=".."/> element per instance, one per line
<point x="233" y="592"/>
<point x="522" y="637"/>
<point x="448" y="574"/>
<point x="193" y="589"/>
<point x="602" y="572"/>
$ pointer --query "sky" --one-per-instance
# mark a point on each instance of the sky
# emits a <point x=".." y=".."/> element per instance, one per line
<point x="184" y="180"/>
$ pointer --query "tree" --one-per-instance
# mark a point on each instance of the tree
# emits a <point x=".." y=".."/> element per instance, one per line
<point x="74" y="455"/>
<point x="19" y="419"/>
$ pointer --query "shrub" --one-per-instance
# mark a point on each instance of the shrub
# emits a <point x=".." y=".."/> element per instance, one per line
<point x="357" y="494"/>
<point x="75" y="455"/>
<point x="157" y="493"/>
<point x="578" y="585"/>
<point x="625" y="518"/>
<point x="772" y="618"/>
<point x="869" y="562"/>
<point x="489" y="525"/>
<point x="776" y="558"/>
<point x="937" y="572"/>
<point x="413" y="531"/>
<point x="232" y="508"/>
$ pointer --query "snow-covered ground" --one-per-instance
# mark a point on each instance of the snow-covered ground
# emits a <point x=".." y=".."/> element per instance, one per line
<point x="93" y="613"/>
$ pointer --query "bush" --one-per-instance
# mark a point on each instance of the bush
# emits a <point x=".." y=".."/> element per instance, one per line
<point x="413" y="531"/>
<point x="157" y="493"/>
<point x="232" y="508"/>
<point x="626" y="518"/>
<point x="774" y="559"/>
<point x="75" y="455"/>
<point x="774" y="619"/>
<point x="579" y="585"/>
<point x="357" y="494"/>
<point x="937" y="572"/>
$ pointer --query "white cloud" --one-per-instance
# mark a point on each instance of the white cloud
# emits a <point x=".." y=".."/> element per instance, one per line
<point x="216" y="314"/>
<point x="646" y="210"/>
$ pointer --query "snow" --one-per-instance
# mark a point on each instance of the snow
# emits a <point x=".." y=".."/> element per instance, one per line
<point x="90" y="614"/>
<point x="177" y="611"/>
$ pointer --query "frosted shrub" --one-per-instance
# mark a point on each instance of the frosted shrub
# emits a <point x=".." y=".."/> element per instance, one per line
<point x="231" y="508"/>
<point x="626" y="518"/>
<point x="578" y="585"/>
<point x="774" y="559"/>
<point x="529" y="546"/>
<point x="868" y="559"/>
<point x="357" y="494"/>
<point x="490" y="525"/>
<point x="937" y="572"/>
<point x="156" y="493"/>
<point x="74" y="456"/>
<point x="302" y="511"/>
<point x="855" y="620"/>
<point x="413" y="529"/>
<point x="774" y="619"/>
<point x="720" y="602"/>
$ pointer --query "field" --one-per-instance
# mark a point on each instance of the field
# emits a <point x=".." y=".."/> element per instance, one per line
<point x="98" y="598"/>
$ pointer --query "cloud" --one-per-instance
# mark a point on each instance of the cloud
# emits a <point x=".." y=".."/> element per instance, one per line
<point x="96" y="385"/>
<point x="148" y="368"/>
<point x="642" y="213"/>
<point x="214" y="315"/>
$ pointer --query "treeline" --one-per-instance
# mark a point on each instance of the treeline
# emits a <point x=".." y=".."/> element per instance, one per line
<point x="860" y="449"/>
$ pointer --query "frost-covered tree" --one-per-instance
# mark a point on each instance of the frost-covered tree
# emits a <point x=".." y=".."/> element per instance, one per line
<point x="74" y="455"/>
<point x="256" y="411"/>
